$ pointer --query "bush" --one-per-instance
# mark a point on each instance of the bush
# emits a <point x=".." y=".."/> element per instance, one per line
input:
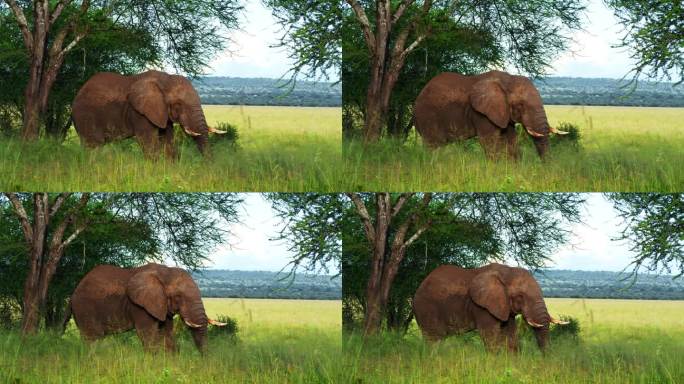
<point x="572" y="139"/>
<point x="568" y="331"/>
<point x="231" y="136"/>
<point x="231" y="328"/>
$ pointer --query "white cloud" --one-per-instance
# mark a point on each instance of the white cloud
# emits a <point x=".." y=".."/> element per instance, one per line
<point x="251" y="54"/>
<point x="592" y="246"/>
<point x="592" y="53"/>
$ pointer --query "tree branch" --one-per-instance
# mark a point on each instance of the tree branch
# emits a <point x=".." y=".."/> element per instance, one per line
<point x="365" y="24"/>
<point x="365" y="217"/>
<point x="400" y="10"/>
<point x="23" y="217"/>
<point x="58" y="11"/>
<point x="400" y="203"/>
<point x="58" y="202"/>
<point x="23" y="24"/>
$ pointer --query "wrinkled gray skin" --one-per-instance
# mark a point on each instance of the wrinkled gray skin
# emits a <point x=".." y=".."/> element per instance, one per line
<point x="453" y="300"/>
<point x="111" y="107"/>
<point x="453" y="107"/>
<point x="110" y="299"/>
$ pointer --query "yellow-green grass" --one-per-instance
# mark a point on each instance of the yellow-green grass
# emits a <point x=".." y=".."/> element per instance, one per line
<point x="297" y="341"/>
<point x="280" y="149"/>
<point x="623" y="149"/>
<point x="622" y="341"/>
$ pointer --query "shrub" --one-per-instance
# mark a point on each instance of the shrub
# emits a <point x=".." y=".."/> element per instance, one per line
<point x="572" y="139"/>
<point x="568" y="331"/>
<point x="231" y="136"/>
<point x="231" y="328"/>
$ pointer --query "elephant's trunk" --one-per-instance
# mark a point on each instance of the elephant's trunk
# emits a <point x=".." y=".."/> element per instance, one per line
<point x="539" y="127"/>
<point x="538" y="317"/>
<point x="196" y="319"/>
<point x="198" y="125"/>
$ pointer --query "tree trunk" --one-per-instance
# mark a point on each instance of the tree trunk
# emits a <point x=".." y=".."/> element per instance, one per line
<point x="32" y="304"/>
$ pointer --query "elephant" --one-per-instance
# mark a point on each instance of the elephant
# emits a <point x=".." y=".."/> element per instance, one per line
<point x="453" y="300"/>
<point x="453" y="107"/>
<point x="111" y="299"/>
<point x="111" y="107"/>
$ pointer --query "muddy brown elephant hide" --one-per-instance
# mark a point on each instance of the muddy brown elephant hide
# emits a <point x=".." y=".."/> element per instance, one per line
<point x="453" y="300"/>
<point x="110" y="299"/>
<point x="111" y="107"/>
<point x="453" y="107"/>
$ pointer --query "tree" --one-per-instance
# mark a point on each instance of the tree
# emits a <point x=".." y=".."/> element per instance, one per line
<point x="653" y="31"/>
<point x="311" y="34"/>
<point x="654" y="226"/>
<point x="530" y="32"/>
<point x="312" y="226"/>
<point x="186" y="34"/>
<point x="185" y="227"/>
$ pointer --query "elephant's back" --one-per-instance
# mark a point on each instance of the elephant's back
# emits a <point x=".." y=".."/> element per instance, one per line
<point x="445" y="88"/>
<point x="101" y="89"/>
<point x="101" y="281"/>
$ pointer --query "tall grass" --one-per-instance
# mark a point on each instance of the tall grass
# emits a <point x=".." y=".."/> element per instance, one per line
<point x="280" y="149"/>
<point x="622" y="149"/>
<point x="280" y="341"/>
<point x="622" y="341"/>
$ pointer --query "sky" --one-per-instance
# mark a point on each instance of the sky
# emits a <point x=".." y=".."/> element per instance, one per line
<point x="590" y="248"/>
<point x="252" y="53"/>
<point x="591" y="54"/>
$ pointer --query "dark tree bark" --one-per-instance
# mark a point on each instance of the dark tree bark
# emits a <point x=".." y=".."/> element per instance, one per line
<point x="44" y="257"/>
<point x="387" y="60"/>
<point x="46" y="56"/>
<point x="385" y="262"/>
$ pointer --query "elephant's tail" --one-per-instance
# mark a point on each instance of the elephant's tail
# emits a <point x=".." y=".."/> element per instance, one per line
<point x="67" y="317"/>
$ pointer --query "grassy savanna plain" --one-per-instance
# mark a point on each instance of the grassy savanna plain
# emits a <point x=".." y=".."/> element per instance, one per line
<point x="622" y="149"/>
<point x="279" y="341"/>
<point x="279" y="149"/>
<point x="621" y="341"/>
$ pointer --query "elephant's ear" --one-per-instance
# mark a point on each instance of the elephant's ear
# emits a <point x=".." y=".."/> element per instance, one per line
<point x="145" y="290"/>
<point x="147" y="98"/>
<point x="488" y="98"/>
<point x="487" y="291"/>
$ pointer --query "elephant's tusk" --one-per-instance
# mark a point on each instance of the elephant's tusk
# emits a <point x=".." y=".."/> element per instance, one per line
<point x="191" y="133"/>
<point x="191" y="324"/>
<point x="217" y="323"/>
<point x="557" y="132"/>
<point x="561" y="322"/>
<point x="216" y="131"/>
<point x="533" y="133"/>
<point x="532" y="323"/>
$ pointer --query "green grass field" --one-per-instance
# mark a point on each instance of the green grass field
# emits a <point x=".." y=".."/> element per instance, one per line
<point x="622" y="341"/>
<point x="297" y="341"/>
<point x="623" y="149"/>
<point x="280" y="149"/>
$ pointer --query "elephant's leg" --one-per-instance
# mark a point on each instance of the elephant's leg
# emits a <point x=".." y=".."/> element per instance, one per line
<point x="489" y="135"/>
<point x="167" y="332"/>
<point x="490" y="330"/>
<point x="146" y="133"/>
<point x="166" y="136"/>
<point x="510" y="331"/>
<point x="147" y="328"/>
<point x="511" y="137"/>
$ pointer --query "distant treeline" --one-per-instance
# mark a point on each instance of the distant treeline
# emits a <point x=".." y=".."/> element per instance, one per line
<point x="268" y="285"/>
<point x="609" y="285"/>
<point x="586" y="91"/>
<point x="262" y="91"/>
